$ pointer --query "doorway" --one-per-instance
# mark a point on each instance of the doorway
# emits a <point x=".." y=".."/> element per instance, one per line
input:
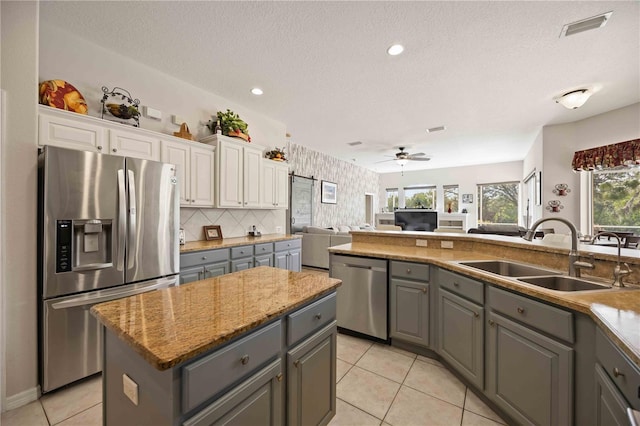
<point x="368" y="209"/>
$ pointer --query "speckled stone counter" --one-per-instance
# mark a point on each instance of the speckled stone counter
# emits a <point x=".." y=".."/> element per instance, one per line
<point x="234" y="242"/>
<point x="616" y="311"/>
<point x="170" y="326"/>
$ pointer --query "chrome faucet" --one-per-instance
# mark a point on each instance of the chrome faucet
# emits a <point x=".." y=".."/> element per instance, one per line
<point x="618" y="273"/>
<point x="574" y="256"/>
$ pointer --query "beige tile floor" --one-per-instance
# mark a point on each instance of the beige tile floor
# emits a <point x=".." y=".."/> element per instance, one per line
<point x="377" y="385"/>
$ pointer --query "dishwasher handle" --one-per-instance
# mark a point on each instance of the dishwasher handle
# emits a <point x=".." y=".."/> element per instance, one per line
<point x="369" y="268"/>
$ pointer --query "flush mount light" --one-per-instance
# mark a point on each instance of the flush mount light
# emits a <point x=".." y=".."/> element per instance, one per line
<point x="402" y="161"/>
<point x="396" y="49"/>
<point x="574" y="99"/>
<point x="257" y="91"/>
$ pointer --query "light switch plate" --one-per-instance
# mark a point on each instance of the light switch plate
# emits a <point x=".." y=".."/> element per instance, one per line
<point x="421" y="243"/>
<point x="177" y="120"/>
<point x="130" y="388"/>
<point x="152" y="113"/>
<point x="446" y="244"/>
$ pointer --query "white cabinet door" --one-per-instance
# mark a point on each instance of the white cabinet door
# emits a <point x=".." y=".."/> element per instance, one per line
<point x="132" y="144"/>
<point x="268" y="193"/>
<point x="251" y="192"/>
<point x="202" y="160"/>
<point x="230" y="175"/>
<point x="70" y="133"/>
<point x="281" y="186"/>
<point x="179" y="154"/>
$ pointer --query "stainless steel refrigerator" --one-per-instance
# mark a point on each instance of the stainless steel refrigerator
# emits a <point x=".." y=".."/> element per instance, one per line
<point x="107" y="228"/>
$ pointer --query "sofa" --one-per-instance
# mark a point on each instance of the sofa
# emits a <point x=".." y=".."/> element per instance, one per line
<point x="316" y="242"/>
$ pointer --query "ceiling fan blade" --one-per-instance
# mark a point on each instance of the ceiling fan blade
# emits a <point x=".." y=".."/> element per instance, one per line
<point x="420" y="159"/>
<point x="384" y="161"/>
<point x="419" y="154"/>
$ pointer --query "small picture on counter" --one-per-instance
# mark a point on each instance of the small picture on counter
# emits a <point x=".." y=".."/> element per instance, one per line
<point x="212" y="232"/>
<point x="467" y="198"/>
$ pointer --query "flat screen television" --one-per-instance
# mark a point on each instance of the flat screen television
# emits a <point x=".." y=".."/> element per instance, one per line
<point x="416" y="219"/>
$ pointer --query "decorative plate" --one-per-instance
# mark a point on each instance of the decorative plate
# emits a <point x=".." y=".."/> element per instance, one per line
<point x="62" y="95"/>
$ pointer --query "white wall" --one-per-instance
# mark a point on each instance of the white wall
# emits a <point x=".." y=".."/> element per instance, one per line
<point x="531" y="162"/>
<point x="560" y="143"/>
<point x="19" y="78"/>
<point x="466" y="177"/>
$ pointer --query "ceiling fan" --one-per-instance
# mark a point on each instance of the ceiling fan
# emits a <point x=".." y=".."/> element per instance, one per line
<point x="402" y="157"/>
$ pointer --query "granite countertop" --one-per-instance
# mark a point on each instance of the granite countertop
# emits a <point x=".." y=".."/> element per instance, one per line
<point x="170" y="326"/>
<point x="234" y="242"/>
<point x="616" y="311"/>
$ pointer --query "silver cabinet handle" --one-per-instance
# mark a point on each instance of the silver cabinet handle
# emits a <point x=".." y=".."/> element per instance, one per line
<point x="204" y="257"/>
<point x="244" y="360"/>
<point x="317" y="316"/>
<point x="617" y="373"/>
<point x="520" y="310"/>
<point x="279" y="377"/>
<point x="456" y="284"/>
<point x="491" y="323"/>
<point x="296" y="363"/>
<point x="187" y="200"/>
<point x="475" y="314"/>
<point x="408" y="270"/>
<point x="239" y="202"/>
<point x="424" y="290"/>
<point x="99" y="148"/>
<point x="114" y="150"/>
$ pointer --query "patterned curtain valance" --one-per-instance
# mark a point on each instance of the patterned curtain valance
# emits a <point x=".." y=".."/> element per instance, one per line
<point x="615" y="156"/>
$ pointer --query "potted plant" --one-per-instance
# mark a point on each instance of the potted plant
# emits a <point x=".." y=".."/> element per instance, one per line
<point x="277" y="154"/>
<point x="232" y="125"/>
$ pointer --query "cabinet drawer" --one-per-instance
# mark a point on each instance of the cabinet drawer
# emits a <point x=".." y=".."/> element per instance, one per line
<point x="546" y="318"/>
<point x="412" y="271"/>
<point x="463" y="286"/>
<point x="203" y="257"/>
<point x="288" y="244"/>
<point x="240" y="252"/>
<point x="306" y="320"/>
<point x="213" y="373"/>
<point x="263" y="248"/>
<point x="622" y="372"/>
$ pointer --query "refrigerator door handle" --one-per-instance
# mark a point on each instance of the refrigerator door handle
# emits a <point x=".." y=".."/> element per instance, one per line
<point x="122" y="220"/>
<point x="132" y="219"/>
<point x="92" y="299"/>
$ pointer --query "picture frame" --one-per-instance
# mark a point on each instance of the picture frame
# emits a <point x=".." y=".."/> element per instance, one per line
<point x="212" y="232"/>
<point x="467" y="198"/>
<point x="329" y="192"/>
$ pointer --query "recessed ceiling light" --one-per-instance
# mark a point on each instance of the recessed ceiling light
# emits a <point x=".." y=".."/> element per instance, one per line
<point x="257" y="91"/>
<point x="396" y="49"/>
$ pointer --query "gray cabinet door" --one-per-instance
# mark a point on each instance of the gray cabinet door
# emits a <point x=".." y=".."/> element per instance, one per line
<point x="241" y="264"/>
<point x="530" y="376"/>
<point x="280" y="260"/>
<point x="461" y="331"/>
<point x="611" y="407"/>
<point x="264" y="260"/>
<point x="188" y="275"/>
<point x="311" y="379"/>
<point x="216" y="269"/>
<point x="256" y="401"/>
<point x="410" y="311"/>
<point x="294" y="262"/>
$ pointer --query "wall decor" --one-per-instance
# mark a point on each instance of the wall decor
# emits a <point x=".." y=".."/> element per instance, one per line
<point x="561" y="189"/>
<point x="184" y="133"/>
<point x="554" y="206"/>
<point x="231" y="123"/>
<point x="62" y="95"/>
<point x="212" y="232"/>
<point x="329" y="192"/>
<point x="120" y="104"/>
<point x="467" y="198"/>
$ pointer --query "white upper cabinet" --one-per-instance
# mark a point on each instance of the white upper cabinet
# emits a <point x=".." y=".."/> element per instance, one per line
<point x="66" y="131"/>
<point x="275" y="185"/>
<point x="251" y="175"/>
<point x="133" y="144"/>
<point x="194" y="167"/>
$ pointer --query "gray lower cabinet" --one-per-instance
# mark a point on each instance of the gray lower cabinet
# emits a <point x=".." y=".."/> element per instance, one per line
<point x="241" y="258"/>
<point x="409" y="302"/>
<point x="529" y="375"/>
<point x="311" y="379"/>
<point x="288" y="255"/>
<point x="611" y="407"/>
<point x="257" y="401"/>
<point x="203" y="264"/>
<point x="461" y="335"/>
<point x="264" y="260"/>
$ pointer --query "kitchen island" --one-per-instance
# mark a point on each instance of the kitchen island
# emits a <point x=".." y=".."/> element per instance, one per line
<point x="257" y="344"/>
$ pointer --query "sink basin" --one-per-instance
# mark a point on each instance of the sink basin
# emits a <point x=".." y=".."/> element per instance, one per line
<point x="508" y="269"/>
<point x="563" y="283"/>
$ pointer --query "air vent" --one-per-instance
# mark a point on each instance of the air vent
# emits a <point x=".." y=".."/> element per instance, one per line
<point x="585" y="25"/>
<point x="436" y="129"/>
<point x="354" y="143"/>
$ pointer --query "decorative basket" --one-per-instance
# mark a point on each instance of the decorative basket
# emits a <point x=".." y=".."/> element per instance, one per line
<point x="238" y="134"/>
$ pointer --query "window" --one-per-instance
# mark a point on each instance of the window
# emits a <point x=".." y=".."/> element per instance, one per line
<point x="498" y="203"/>
<point x="450" y="193"/>
<point x="392" y="199"/>
<point x="615" y="200"/>
<point x="420" y="197"/>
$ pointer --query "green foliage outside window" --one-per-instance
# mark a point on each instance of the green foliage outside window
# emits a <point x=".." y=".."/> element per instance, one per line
<point x="616" y="201"/>
<point x="416" y="198"/>
<point x="498" y="203"/>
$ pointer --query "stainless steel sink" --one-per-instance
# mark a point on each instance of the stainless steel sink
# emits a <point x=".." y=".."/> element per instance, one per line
<point x="508" y="269"/>
<point x="563" y="283"/>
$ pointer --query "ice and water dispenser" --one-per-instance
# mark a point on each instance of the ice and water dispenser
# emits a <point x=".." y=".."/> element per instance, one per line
<point x="83" y="244"/>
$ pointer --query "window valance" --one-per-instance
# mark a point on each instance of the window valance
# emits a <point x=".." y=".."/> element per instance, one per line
<point x="615" y="156"/>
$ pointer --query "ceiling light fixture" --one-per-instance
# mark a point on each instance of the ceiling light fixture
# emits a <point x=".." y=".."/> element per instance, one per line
<point x="574" y="99"/>
<point x="257" y="91"/>
<point x="402" y="161"/>
<point x="396" y="49"/>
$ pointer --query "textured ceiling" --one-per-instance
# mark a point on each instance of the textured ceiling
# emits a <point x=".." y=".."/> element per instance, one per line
<point x="488" y="71"/>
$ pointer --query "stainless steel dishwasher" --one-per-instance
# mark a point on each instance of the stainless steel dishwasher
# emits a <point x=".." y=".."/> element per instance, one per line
<point x="362" y="297"/>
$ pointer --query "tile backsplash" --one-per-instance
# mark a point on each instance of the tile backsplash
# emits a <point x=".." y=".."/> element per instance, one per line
<point x="233" y="223"/>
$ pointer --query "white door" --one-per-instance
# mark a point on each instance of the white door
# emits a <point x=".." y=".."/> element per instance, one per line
<point x="202" y="176"/>
<point x="252" y="160"/>
<point x="268" y="193"/>
<point x="281" y="187"/>
<point x="179" y="154"/>
<point x="230" y="164"/>
<point x="130" y="144"/>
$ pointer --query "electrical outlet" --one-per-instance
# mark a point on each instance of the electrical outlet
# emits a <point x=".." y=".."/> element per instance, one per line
<point x="421" y="243"/>
<point x="278" y="229"/>
<point x="130" y="389"/>
<point x="446" y="244"/>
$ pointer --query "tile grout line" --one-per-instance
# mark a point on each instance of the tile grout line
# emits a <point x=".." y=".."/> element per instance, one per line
<point x="464" y="404"/>
<point x="398" y="391"/>
<point x="70" y="417"/>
